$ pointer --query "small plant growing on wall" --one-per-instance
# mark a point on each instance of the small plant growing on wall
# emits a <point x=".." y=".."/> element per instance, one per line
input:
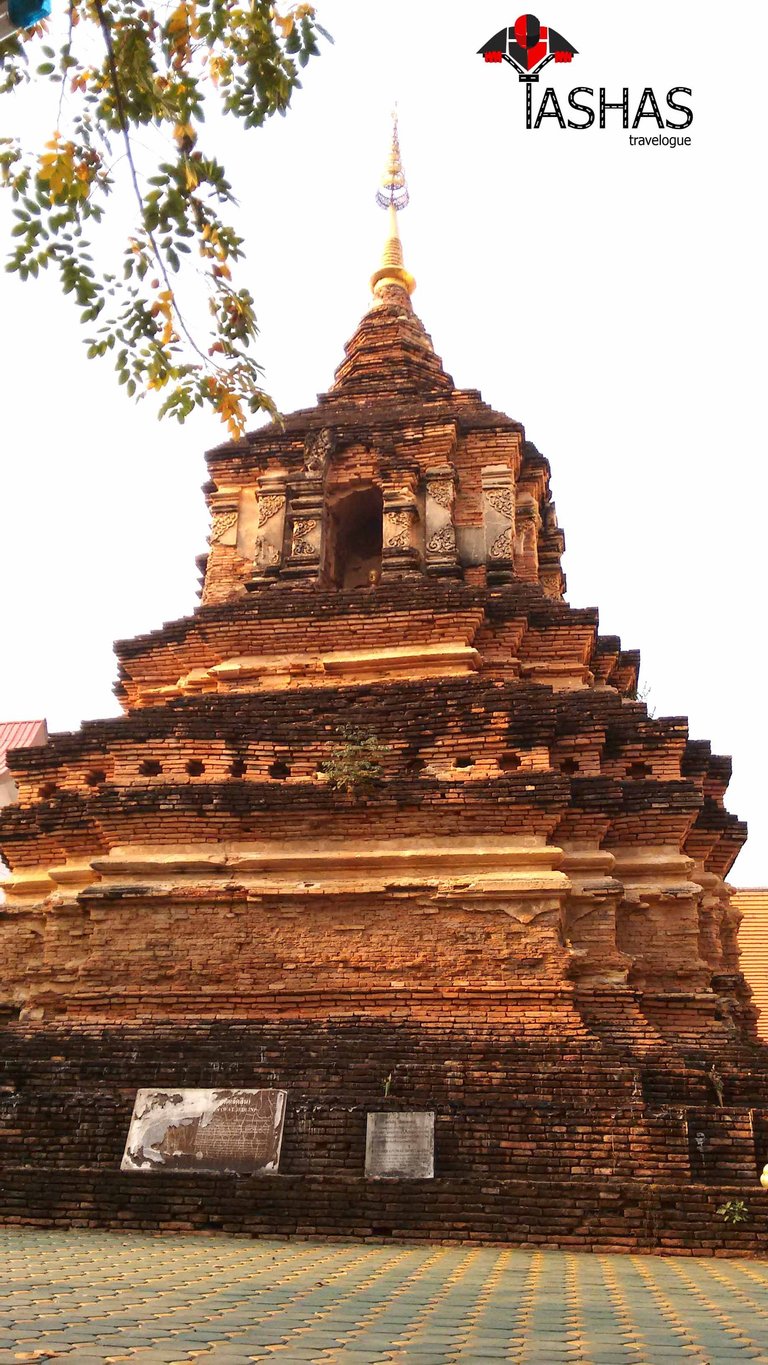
<point x="354" y="763"/>
<point x="642" y="692"/>
<point x="734" y="1211"/>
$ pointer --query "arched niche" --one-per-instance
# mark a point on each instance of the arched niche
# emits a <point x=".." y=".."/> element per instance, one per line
<point x="355" y="528"/>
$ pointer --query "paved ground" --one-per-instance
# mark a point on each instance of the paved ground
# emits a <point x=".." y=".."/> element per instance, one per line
<point x="89" y="1297"/>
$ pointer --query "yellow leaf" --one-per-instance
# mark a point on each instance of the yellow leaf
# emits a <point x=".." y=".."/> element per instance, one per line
<point x="179" y="21"/>
<point x="218" y="67"/>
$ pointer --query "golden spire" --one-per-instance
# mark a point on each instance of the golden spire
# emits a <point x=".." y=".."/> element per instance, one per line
<point x="392" y="196"/>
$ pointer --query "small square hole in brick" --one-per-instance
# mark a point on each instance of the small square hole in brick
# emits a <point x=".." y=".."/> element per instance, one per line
<point x="195" y="767"/>
<point x="509" y="762"/>
<point x="639" y="769"/>
<point x="279" y="770"/>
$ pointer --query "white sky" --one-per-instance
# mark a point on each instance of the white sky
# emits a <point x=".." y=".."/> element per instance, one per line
<point x="610" y="297"/>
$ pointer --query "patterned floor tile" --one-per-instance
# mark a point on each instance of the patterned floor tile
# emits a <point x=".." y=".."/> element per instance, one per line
<point x="94" y="1298"/>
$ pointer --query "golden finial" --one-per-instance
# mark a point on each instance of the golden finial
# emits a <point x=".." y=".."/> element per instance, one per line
<point x="392" y="196"/>
<point x="394" y="190"/>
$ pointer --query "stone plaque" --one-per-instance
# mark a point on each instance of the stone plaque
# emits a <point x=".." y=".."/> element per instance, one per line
<point x="400" y="1146"/>
<point x="220" y="1131"/>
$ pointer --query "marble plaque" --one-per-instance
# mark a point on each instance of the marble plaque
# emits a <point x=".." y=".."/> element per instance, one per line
<point x="400" y="1146"/>
<point x="219" y="1131"/>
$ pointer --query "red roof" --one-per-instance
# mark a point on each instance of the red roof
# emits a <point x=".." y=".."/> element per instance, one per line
<point x="20" y="734"/>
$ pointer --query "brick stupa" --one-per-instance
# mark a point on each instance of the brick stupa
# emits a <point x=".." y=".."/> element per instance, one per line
<point x="385" y="824"/>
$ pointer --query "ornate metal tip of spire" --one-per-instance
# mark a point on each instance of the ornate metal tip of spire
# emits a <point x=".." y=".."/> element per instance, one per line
<point x="393" y="195"/>
<point x="393" y="192"/>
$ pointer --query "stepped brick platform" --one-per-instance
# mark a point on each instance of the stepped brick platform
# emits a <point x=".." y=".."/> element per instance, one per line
<point x="385" y="825"/>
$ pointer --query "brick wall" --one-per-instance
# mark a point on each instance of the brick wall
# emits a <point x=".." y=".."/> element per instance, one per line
<point x="533" y="1144"/>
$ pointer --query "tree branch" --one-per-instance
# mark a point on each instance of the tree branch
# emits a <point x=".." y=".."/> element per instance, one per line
<point x="124" y="128"/>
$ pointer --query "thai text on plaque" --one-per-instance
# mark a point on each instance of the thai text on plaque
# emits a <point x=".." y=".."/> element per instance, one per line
<point x="219" y="1131"/>
<point x="400" y="1146"/>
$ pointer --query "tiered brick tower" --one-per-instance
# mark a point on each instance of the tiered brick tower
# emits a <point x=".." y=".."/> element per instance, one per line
<point x="520" y="923"/>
